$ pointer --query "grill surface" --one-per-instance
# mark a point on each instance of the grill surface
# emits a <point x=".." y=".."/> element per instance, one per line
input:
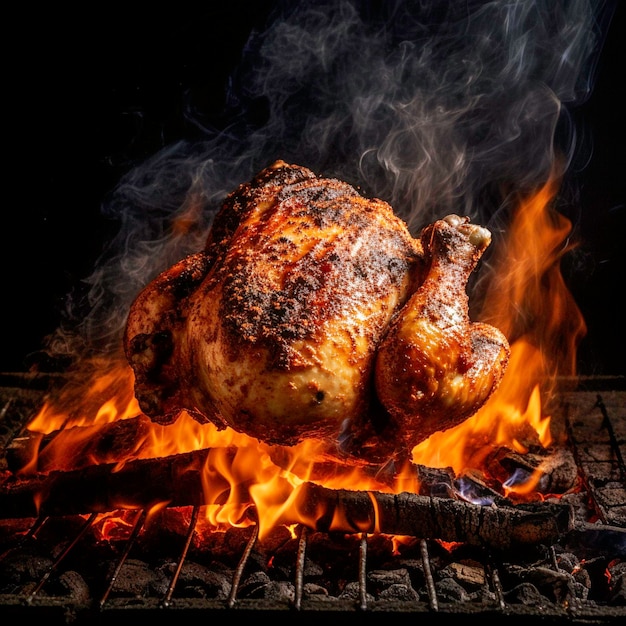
<point x="61" y="570"/>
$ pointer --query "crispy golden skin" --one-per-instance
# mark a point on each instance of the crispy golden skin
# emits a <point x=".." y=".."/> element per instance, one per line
<point x="435" y="367"/>
<point x="312" y="312"/>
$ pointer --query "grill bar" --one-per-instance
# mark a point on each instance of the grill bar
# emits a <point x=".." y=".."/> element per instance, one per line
<point x="595" y="424"/>
<point x="136" y="529"/>
<point x="430" y="583"/>
<point x="192" y="526"/>
<point x="44" y="579"/>
<point x="606" y="423"/>
<point x="232" y="598"/>
<point x="363" y="572"/>
<point x="300" y="559"/>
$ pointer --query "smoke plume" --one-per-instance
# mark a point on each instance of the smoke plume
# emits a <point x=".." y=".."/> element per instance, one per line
<point x="435" y="107"/>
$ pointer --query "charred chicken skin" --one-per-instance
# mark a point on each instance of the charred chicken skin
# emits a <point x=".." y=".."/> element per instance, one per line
<point x="313" y="313"/>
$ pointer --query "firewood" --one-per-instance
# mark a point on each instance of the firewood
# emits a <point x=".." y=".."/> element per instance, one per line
<point x="177" y="481"/>
<point x="79" y="446"/>
<point x="444" y="518"/>
<point x="141" y="483"/>
<point x="557" y="467"/>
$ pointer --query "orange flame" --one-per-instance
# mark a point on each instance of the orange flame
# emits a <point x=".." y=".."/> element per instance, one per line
<point x="527" y="300"/>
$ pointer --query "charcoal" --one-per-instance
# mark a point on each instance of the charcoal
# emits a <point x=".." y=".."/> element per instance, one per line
<point x="352" y="591"/>
<point x="581" y="576"/>
<point x="470" y="576"/>
<point x="71" y="585"/>
<point x="617" y="584"/>
<point x="278" y="539"/>
<point x="581" y="591"/>
<point x="399" y="592"/>
<point x="22" y="566"/>
<point x="559" y="587"/>
<point x="254" y="585"/>
<point x="449" y="590"/>
<point x="216" y="585"/>
<point x="258" y="561"/>
<point x="199" y="581"/>
<point x="260" y="585"/>
<point x="232" y="542"/>
<point x="317" y="591"/>
<point x="567" y="562"/>
<point x="570" y="563"/>
<point x="312" y="569"/>
<point x="392" y="584"/>
<point x="415" y="569"/>
<point x="379" y="580"/>
<point x="484" y="595"/>
<point x="526" y="594"/>
<point x="137" y="579"/>
<point x="279" y="590"/>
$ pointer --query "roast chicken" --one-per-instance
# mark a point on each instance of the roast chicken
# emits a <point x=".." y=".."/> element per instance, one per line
<point x="313" y="313"/>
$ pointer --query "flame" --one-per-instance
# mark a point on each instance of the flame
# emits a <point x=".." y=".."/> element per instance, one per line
<point x="101" y="393"/>
<point x="529" y="301"/>
<point x="109" y="526"/>
<point x="242" y="482"/>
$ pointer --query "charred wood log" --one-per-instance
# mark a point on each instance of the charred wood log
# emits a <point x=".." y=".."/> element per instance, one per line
<point x="79" y="446"/>
<point x="178" y="481"/>
<point x="443" y="518"/>
<point x="555" y="469"/>
<point x="122" y="441"/>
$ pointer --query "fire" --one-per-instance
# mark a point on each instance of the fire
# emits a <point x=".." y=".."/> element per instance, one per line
<point x="102" y="393"/>
<point x="243" y="483"/>
<point x="529" y="301"/>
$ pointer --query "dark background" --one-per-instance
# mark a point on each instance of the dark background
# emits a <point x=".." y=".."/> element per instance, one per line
<point x="92" y="94"/>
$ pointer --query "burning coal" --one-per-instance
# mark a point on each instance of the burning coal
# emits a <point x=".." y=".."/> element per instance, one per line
<point x="452" y="108"/>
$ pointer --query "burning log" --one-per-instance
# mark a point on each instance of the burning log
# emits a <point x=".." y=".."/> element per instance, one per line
<point x="79" y="446"/>
<point x="128" y="439"/>
<point x="178" y="481"/>
<point x="442" y="518"/>
<point x="556" y="469"/>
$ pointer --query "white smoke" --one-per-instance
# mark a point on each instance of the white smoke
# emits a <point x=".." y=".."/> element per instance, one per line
<point x="435" y="107"/>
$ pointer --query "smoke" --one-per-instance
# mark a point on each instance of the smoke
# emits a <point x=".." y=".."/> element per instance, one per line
<point x="435" y="107"/>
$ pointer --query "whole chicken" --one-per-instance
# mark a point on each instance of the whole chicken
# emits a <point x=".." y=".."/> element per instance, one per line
<point x="313" y="313"/>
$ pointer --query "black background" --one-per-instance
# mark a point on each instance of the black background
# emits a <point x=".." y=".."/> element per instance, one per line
<point x="92" y="93"/>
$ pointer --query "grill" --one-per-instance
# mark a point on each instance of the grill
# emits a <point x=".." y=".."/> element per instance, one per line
<point x="144" y="70"/>
<point x="60" y="568"/>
